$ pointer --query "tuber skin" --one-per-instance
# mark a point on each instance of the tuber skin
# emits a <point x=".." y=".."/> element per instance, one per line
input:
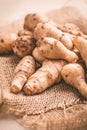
<point x="44" y="77"/>
<point x="6" y="42"/>
<point x="23" y="46"/>
<point x="81" y="44"/>
<point x="69" y="28"/>
<point x="23" y="70"/>
<point x="72" y="29"/>
<point x="32" y="19"/>
<point x="25" y="33"/>
<point x="74" y="75"/>
<point x="38" y="57"/>
<point x="54" y="49"/>
<point x="48" y="30"/>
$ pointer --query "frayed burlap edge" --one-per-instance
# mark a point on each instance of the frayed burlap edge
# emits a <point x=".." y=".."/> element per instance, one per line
<point x="72" y="118"/>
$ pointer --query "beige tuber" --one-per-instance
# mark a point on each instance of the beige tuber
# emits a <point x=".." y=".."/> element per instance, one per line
<point x="32" y="19"/>
<point x="44" y="77"/>
<point x="23" y="70"/>
<point x="48" y="30"/>
<point x="24" y="45"/>
<point x="74" y="75"/>
<point x="25" y="33"/>
<point x="81" y="44"/>
<point x="54" y="49"/>
<point x="6" y="42"/>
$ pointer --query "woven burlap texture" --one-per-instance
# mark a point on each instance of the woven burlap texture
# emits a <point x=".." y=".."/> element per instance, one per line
<point x="34" y="110"/>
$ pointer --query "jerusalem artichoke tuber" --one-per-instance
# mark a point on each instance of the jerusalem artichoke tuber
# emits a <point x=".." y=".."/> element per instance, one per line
<point x="69" y="28"/>
<point x="81" y="44"/>
<point x="32" y="19"/>
<point x="48" y="30"/>
<point x="44" y="77"/>
<point x="54" y="49"/>
<point x="72" y="29"/>
<point x="74" y="75"/>
<point x="6" y="42"/>
<point x="23" y="70"/>
<point x="24" y="45"/>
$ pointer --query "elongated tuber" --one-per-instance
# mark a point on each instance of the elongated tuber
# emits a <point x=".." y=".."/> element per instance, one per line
<point x="24" y="45"/>
<point x="81" y="44"/>
<point x="6" y="42"/>
<point x="44" y="77"/>
<point x="72" y="29"/>
<point x="54" y="49"/>
<point x="23" y="70"/>
<point x="32" y="19"/>
<point x="74" y="75"/>
<point x="48" y="30"/>
<point x="69" y="28"/>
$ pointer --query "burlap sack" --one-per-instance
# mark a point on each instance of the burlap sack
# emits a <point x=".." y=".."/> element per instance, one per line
<point x="60" y="107"/>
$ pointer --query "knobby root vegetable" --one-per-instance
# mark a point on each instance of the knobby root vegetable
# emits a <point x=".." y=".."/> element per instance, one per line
<point x="72" y="29"/>
<point x="81" y="44"/>
<point x="44" y="77"/>
<point x="24" y="45"/>
<point x="6" y="42"/>
<point x="24" y="33"/>
<point x="69" y="28"/>
<point x="32" y="19"/>
<point x="48" y="30"/>
<point x="54" y="49"/>
<point x="74" y="75"/>
<point x="38" y="57"/>
<point x="23" y="70"/>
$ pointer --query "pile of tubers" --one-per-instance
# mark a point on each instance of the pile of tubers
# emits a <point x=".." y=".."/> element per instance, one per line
<point x="48" y="53"/>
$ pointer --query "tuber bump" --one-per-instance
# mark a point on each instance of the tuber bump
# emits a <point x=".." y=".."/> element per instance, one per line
<point x="25" y="32"/>
<point x="38" y="57"/>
